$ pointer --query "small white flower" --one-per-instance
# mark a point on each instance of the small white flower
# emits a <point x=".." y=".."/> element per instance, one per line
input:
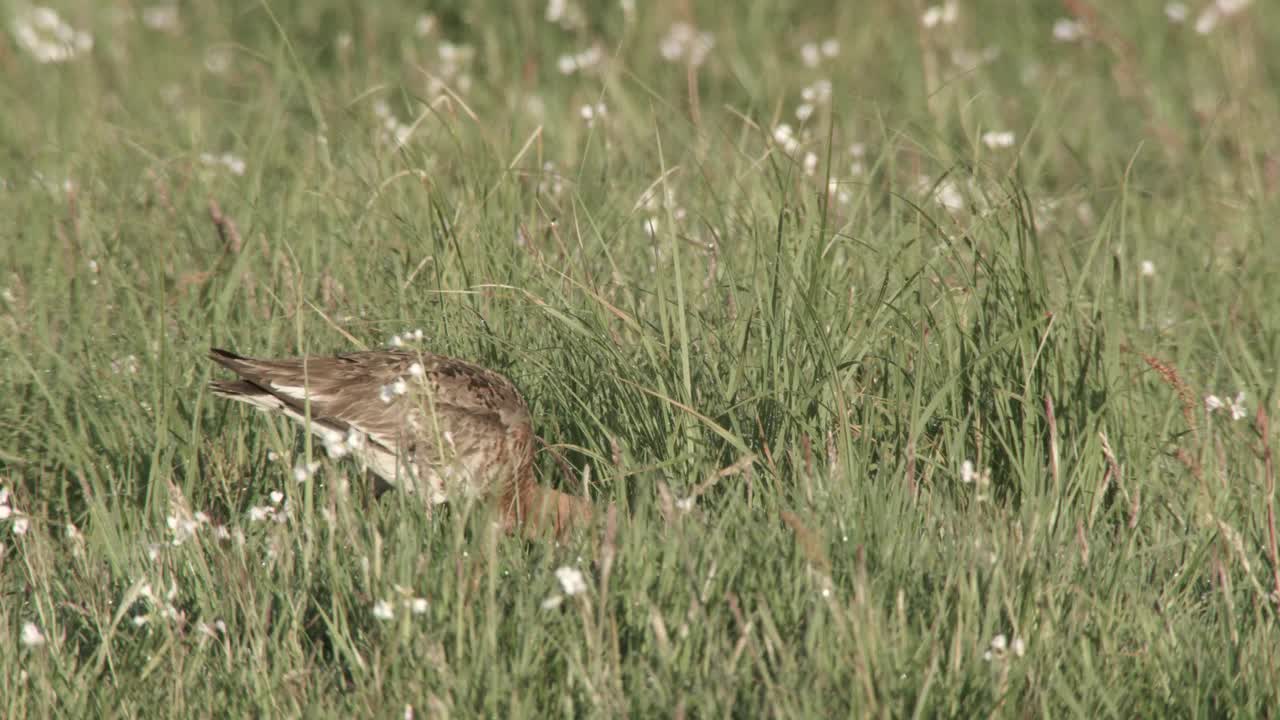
<point x="552" y="602"/>
<point x="1176" y="12"/>
<point x="418" y="606"/>
<point x="1238" y="411"/>
<point x="272" y="455"/>
<point x="830" y="47"/>
<point x="999" y="643"/>
<point x="997" y="140"/>
<point x="967" y="472"/>
<point x="1147" y="268"/>
<point x="276" y="496"/>
<point x="810" y="163"/>
<point x="217" y="60"/>
<point x="424" y="25"/>
<point x="936" y="15"/>
<point x="303" y="471"/>
<point x="416" y="370"/>
<point x="140" y="620"/>
<point x="258" y="513"/>
<point x="399" y="387"/>
<point x="396" y="341"/>
<point x="571" y="580"/>
<point x="20" y="525"/>
<point x="1019" y="647"/>
<point x="1207" y="20"/>
<point x="31" y="635"/>
<point x="383" y="610"/>
<point x="418" y="334"/>
<point x="161" y="17"/>
<point x="684" y="504"/>
<point x="5" y="512"/>
<point x="1212" y="403"/>
<point x="804" y="111"/>
<point x="1231" y="7"/>
<point x="1068" y="30"/>
<point x="651" y="226"/>
<point x="948" y="195"/>
<point x="811" y="55"/>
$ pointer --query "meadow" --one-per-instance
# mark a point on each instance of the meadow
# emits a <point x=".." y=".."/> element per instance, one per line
<point x="925" y="354"/>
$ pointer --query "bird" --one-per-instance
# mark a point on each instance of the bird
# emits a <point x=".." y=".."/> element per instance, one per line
<point x="428" y="424"/>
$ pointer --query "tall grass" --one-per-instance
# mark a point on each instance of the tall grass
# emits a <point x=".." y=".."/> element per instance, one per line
<point x="918" y="426"/>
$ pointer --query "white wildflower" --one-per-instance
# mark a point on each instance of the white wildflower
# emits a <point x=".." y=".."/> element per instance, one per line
<point x="1231" y="7"/>
<point x="416" y="370"/>
<point x="685" y="42"/>
<point x="1176" y="12"/>
<point x="1238" y="411"/>
<point x="1212" y="403"/>
<point x="276" y="497"/>
<point x="383" y="610"/>
<point x="418" y="606"/>
<point x="303" y="471"/>
<point x="217" y="60"/>
<point x="967" y="472"/>
<point x="424" y="25"/>
<point x="161" y="17"/>
<point x="948" y="195"/>
<point x="31" y="635"/>
<point x="386" y="394"/>
<point x="996" y="140"/>
<point x="811" y="55"/>
<point x="46" y="37"/>
<point x="259" y="513"/>
<point x="804" y="111"/>
<point x="830" y="47"/>
<point x="571" y="580"/>
<point x="1068" y="30"/>
<point x="552" y="602"/>
<point x="21" y="524"/>
<point x="1019" y="647"/>
<point x="945" y="14"/>
<point x="1147" y="268"/>
<point x="810" y="163"/>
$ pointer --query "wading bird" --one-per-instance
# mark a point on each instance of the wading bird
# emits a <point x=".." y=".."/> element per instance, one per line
<point x="428" y="424"/>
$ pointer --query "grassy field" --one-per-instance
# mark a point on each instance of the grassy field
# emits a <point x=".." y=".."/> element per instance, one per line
<point x="908" y="342"/>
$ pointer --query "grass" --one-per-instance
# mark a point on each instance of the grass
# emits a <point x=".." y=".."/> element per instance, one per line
<point x="873" y="454"/>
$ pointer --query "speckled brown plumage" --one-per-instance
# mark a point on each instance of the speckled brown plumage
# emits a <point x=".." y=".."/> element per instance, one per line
<point x="427" y="423"/>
